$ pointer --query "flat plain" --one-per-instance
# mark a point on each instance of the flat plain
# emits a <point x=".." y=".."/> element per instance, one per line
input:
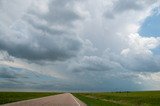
<point x="8" y="97"/>
<point x="148" y="98"/>
<point x="64" y="99"/>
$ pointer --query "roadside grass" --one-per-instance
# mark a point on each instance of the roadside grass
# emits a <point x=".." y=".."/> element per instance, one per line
<point x="93" y="101"/>
<point x="8" y="97"/>
<point x="148" y="98"/>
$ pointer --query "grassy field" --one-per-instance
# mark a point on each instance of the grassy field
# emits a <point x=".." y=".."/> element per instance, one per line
<point x="151" y="98"/>
<point x="8" y="97"/>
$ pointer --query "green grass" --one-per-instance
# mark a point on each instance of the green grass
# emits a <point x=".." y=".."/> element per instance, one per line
<point x="8" y="97"/>
<point x="94" y="102"/>
<point x="150" y="98"/>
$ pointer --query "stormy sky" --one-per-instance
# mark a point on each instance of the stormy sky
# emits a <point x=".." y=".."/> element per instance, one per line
<point x="79" y="45"/>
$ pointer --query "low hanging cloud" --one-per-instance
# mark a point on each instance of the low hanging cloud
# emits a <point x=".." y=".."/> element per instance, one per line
<point x="18" y="78"/>
<point x="94" y="63"/>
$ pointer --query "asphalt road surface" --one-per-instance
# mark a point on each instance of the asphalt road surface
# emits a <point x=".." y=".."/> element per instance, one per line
<point x="65" y="99"/>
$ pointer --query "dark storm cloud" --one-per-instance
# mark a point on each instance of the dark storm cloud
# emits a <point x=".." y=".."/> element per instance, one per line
<point x="12" y="72"/>
<point x="36" y="37"/>
<point x="6" y="73"/>
<point x="48" y="48"/>
<point x="14" y="77"/>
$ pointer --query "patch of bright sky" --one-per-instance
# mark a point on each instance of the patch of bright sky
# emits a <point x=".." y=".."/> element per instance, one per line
<point x="151" y="26"/>
<point x="156" y="51"/>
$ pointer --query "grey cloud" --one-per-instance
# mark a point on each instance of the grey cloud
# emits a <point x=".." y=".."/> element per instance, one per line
<point x="126" y="6"/>
<point x="13" y="72"/>
<point x="39" y="36"/>
<point x="48" y="48"/>
<point x="136" y="62"/>
<point x="60" y="12"/>
<point x="4" y="56"/>
<point x="142" y="63"/>
<point x="94" y="63"/>
<point x="34" y="40"/>
<point x="113" y="80"/>
<point x="112" y="62"/>
<point x="13" y="77"/>
<point x="6" y="73"/>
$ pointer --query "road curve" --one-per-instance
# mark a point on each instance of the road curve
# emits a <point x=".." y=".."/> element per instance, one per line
<point x="65" y="99"/>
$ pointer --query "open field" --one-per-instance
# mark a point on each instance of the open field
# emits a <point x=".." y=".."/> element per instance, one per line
<point x="150" y="98"/>
<point x="8" y="97"/>
<point x="65" y="99"/>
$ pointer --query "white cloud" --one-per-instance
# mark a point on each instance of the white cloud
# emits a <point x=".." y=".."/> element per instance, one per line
<point x="4" y="56"/>
<point x="125" y="52"/>
<point x="142" y="45"/>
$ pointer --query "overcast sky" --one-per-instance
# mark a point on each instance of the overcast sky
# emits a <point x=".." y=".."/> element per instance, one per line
<point x="79" y="45"/>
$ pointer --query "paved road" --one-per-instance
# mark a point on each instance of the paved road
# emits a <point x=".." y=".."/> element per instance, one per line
<point x="65" y="99"/>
